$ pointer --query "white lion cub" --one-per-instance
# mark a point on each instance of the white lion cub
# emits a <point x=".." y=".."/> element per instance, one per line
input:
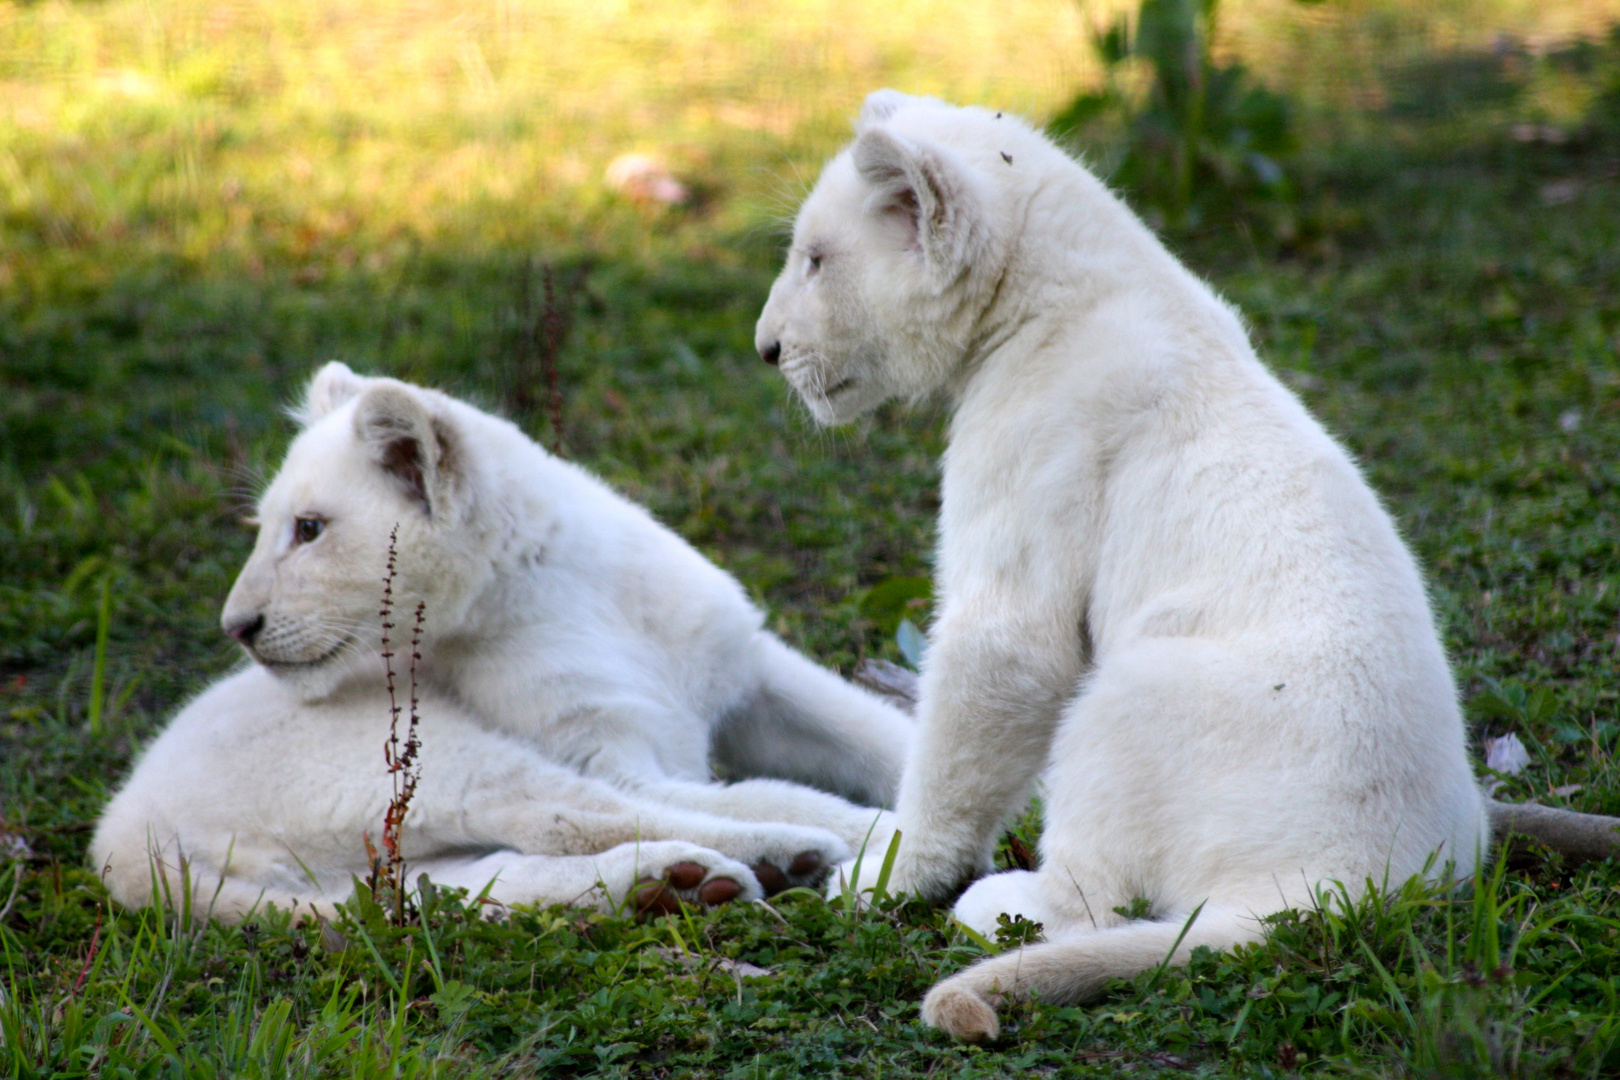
<point x="583" y="666"/>
<point x="1161" y="583"/>
<point x="254" y="796"/>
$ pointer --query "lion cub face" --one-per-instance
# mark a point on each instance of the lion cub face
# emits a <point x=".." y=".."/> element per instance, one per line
<point x="889" y="265"/>
<point x="818" y="324"/>
<point x="373" y="458"/>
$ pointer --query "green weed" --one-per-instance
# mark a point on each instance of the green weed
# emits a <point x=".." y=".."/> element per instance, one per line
<point x="1201" y="135"/>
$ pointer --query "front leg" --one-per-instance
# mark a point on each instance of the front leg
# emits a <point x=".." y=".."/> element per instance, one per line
<point x="503" y="796"/>
<point x="649" y="877"/>
<point x="994" y="681"/>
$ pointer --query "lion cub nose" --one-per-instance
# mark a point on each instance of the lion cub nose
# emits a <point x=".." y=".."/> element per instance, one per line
<point x="772" y="353"/>
<point x="246" y="630"/>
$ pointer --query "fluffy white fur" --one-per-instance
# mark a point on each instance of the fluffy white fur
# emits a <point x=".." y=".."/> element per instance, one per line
<point x="253" y="796"/>
<point x="1160" y="582"/>
<point x="584" y="669"/>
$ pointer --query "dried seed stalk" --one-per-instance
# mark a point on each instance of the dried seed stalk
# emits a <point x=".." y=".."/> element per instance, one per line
<point x="388" y="866"/>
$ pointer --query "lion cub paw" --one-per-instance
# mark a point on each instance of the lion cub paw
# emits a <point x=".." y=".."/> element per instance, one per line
<point x="669" y="873"/>
<point x="961" y="1012"/>
<point x="788" y="856"/>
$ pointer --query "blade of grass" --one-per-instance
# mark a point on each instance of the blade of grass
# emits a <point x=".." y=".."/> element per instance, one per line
<point x="98" y="673"/>
<point x="1164" y="965"/>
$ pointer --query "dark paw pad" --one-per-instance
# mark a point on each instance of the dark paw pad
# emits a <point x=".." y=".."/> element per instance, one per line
<point x="771" y="878"/>
<point x="654" y="898"/>
<point x="719" y="891"/>
<point x="684" y="875"/>
<point x="805" y="863"/>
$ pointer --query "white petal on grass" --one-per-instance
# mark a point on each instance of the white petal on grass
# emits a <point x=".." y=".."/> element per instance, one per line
<point x="1505" y="756"/>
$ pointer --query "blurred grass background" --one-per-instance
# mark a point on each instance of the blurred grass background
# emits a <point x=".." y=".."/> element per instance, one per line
<point x="199" y="202"/>
<point x="323" y="132"/>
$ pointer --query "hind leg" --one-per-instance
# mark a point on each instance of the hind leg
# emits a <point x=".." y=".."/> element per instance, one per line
<point x="1077" y="966"/>
<point x="810" y="726"/>
<point x="1014" y="893"/>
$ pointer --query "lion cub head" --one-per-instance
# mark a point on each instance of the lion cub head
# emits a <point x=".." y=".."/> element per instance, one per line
<point x="896" y="255"/>
<point x="374" y="455"/>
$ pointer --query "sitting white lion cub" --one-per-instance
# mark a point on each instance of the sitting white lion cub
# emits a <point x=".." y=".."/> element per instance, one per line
<point x="582" y="666"/>
<point x="1159" y="580"/>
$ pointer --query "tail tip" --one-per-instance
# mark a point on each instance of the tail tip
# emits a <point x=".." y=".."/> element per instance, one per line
<point x="960" y="1012"/>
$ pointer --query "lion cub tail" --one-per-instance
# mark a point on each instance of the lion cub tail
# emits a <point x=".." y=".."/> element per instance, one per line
<point x="1076" y="967"/>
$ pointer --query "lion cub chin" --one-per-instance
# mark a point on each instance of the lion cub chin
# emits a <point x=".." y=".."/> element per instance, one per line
<point x="1162" y="586"/>
<point x="584" y="673"/>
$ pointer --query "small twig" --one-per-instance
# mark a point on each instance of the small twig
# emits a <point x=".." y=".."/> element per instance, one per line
<point x="89" y="958"/>
<point x="542" y="335"/>
<point x="550" y="333"/>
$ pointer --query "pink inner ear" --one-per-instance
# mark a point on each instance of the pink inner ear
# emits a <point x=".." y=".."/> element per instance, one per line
<point x="902" y="207"/>
<point x="402" y="458"/>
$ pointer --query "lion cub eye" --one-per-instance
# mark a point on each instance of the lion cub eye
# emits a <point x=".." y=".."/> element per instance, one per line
<point x="814" y="260"/>
<point x="306" y="529"/>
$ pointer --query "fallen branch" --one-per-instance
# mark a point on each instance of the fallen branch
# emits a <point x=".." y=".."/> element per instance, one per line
<point x="1569" y="833"/>
<point x="896" y="684"/>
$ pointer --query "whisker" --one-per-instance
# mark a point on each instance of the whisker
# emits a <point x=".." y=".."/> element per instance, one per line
<point x="344" y="622"/>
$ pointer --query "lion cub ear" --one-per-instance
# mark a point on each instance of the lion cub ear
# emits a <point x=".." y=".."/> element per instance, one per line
<point x="879" y="106"/>
<point x="334" y="385"/>
<point x="422" y="452"/>
<point x="932" y="192"/>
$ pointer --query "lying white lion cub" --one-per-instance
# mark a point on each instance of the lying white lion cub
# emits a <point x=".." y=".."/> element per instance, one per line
<point x="253" y="796"/>
<point x="1160" y="581"/>
<point x="582" y="665"/>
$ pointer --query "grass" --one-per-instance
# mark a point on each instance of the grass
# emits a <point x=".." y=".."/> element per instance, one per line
<point x="200" y="203"/>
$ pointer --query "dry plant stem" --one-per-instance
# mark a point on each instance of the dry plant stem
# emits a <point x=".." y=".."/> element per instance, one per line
<point x="404" y="770"/>
<point x="550" y="333"/>
<point x="541" y="343"/>
<point x="518" y="392"/>
<point x="388" y="866"/>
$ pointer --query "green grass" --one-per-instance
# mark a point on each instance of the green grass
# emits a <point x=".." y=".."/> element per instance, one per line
<point x="196" y="209"/>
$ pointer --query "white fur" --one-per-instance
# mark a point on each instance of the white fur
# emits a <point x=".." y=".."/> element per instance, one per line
<point x="1160" y="581"/>
<point x="253" y="796"/>
<point x="583" y="667"/>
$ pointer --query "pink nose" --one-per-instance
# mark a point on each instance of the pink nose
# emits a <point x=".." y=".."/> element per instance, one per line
<point x="246" y="630"/>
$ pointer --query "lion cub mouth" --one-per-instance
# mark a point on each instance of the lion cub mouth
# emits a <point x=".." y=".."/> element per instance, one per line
<point x="275" y="664"/>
